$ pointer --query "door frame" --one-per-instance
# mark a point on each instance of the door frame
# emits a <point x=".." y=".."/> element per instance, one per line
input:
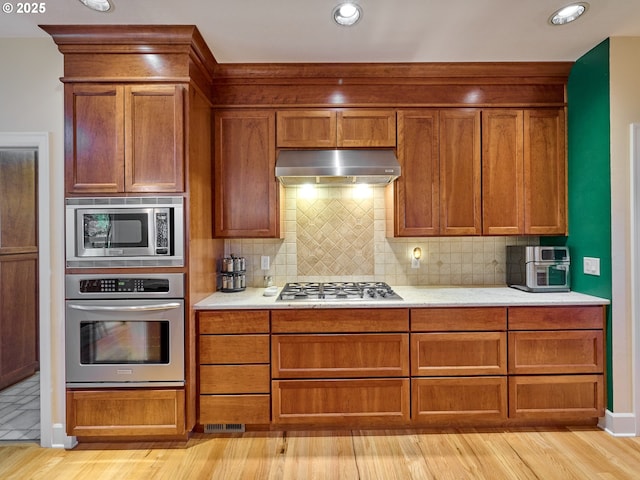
<point x="50" y="319"/>
<point x="635" y="273"/>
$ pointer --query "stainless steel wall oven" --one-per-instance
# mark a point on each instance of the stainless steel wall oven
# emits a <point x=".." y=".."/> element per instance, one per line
<point x="124" y="330"/>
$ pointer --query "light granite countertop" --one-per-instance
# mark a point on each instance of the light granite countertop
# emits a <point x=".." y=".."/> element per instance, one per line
<point x="411" y="297"/>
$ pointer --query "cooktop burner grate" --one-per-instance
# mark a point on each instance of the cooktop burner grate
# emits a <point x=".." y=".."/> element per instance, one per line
<point x="326" y="291"/>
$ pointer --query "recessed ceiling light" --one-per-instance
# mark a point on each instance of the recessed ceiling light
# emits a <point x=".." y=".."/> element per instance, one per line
<point x="568" y="14"/>
<point x="347" y="14"/>
<point x="98" y="5"/>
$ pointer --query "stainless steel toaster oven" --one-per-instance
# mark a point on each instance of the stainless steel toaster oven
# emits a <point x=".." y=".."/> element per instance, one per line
<point x="538" y="268"/>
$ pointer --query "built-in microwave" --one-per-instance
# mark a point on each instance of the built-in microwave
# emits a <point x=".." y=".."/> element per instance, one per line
<point x="124" y="232"/>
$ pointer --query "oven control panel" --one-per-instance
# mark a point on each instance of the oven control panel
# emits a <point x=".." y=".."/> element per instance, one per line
<point x="124" y="285"/>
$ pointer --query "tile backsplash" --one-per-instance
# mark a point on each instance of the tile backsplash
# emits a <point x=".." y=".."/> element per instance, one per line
<point x="338" y="233"/>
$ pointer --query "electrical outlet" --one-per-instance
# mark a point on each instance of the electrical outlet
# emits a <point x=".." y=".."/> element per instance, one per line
<point x="415" y="263"/>
<point x="264" y="262"/>
<point x="592" y="266"/>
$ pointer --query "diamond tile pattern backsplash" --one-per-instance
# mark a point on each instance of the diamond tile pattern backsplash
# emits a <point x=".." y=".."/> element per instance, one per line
<point x="338" y="233"/>
<point x="334" y="237"/>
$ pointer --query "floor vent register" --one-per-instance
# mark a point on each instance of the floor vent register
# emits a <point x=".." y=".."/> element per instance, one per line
<point x="224" y="428"/>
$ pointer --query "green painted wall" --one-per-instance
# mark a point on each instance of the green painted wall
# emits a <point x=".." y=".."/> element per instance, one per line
<point x="589" y="176"/>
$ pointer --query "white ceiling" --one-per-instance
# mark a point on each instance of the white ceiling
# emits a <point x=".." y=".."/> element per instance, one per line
<point x="303" y="30"/>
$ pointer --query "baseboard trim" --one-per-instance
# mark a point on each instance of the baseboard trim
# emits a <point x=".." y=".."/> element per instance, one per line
<point x="619" y="424"/>
<point x="60" y="439"/>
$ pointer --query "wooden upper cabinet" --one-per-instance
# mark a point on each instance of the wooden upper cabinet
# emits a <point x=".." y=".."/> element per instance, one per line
<point x="124" y="138"/>
<point x="439" y="191"/>
<point x="330" y="129"/>
<point x="306" y="128"/>
<point x="94" y="138"/>
<point x="154" y="138"/>
<point x="366" y="128"/>
<point x="545" y="175"/>
<point x="524" y="177"/>
<point x="416" y="192"/>
<point x="502" y="172"/>
<point x="246" y="192"/>
<point x="460" y="173"/>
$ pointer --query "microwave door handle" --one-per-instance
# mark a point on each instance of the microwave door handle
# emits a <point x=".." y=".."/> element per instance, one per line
<point x="130" y="308"/>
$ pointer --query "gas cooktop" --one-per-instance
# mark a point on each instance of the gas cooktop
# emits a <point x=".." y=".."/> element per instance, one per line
<point x="335" y="291"/>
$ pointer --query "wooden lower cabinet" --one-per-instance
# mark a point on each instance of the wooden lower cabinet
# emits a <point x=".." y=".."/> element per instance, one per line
<point x="556" y="396"/>
<point x="454" y="399"/>
<point x="556" y="362"/>
<point x="362" y="402"/>
<point x="389" y="367"/>
<point x="234" y="380"/>
<point x="122" y="413"/>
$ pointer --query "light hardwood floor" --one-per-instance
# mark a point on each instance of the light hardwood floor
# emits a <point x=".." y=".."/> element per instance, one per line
<point x="551" y="453"/>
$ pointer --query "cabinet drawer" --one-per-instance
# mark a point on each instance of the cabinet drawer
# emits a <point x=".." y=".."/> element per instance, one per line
<point x="340" y="320"/>
<point x="556" y="396"/>
<point x="556" y="318"/>
<point x="130" y="412"/>
<point x="458" y="319"/>
<point x="234" y="409"/>
<point x="569" y="351"/>
<point x="479" y="353"/>
<point x="343" y="402"/>
<point x="234" y="379"/>
<point x="219" y="349"/>
<point x="436" y="400"/>
<point x="233" y="322"/>
<point x="329" y="356"/>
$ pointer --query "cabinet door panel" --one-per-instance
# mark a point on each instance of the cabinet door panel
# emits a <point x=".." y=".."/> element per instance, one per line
<point x="234" y="409"/>
<point x="154" y="138"/>
<point x="545" y="172"/>
<point x="94" y="138"/>
<point x="18" y="317"/>
<point x="557" y="318"/>
<point x="18" y="201"/>
<point x="246" y="189"/>
<point x="502" y="172"/>
<point x="417" y="195"/>
<point x="460" y="173"/>
<point x="561" y="351"/>
<point x="306" y="128"/>
<point x="340" y="320"/>
<point x="241" y="349"/>
<point x="366" y="128"/>
<point x="556" y="396"/>
<point x="130" y="412"/>
<point x="326" y="356"/>
<point x="458" y="319"/>
<point x="241" y="321"/>
<point x="466" y="399"/>
<point x="341" y="402"/>
<point x="478" y="353"/>
<point x="234" y="379"/>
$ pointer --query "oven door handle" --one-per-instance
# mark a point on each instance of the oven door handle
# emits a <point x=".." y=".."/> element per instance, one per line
<point x="130" y="308"/>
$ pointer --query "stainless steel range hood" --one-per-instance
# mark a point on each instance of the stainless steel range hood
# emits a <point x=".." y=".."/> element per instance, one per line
<point x="337" y="167"/>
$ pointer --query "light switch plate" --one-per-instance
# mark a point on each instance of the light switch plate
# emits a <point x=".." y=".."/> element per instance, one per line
<point x="415" y="263"/>
<point x="592" y="266"/>
<point x="264" y="262"/>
